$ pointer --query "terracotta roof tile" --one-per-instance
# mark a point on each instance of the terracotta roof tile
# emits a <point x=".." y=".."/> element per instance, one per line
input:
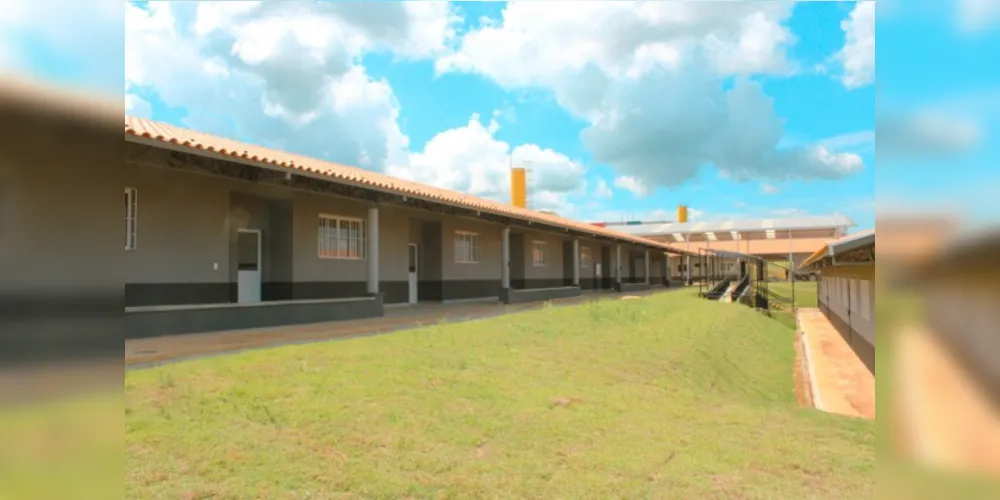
<point x="162" y="132"/>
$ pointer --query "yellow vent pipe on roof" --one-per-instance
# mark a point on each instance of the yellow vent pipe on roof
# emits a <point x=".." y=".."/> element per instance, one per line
<point x="518" y="187"/>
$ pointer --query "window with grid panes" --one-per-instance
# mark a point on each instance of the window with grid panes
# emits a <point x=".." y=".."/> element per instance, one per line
<point x="586" y="258"/>
<point x="467" y="248"/>
<point x="341" y="237"/>
<point x="539" y="253"/>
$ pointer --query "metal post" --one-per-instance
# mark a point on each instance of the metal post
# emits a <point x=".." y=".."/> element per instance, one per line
<point x="373" y="250"/>
<point x="701" y="289"/>
<point x="791" y="270"/>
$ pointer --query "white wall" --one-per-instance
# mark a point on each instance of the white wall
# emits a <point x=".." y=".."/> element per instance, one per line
<point x="851" y="300"/>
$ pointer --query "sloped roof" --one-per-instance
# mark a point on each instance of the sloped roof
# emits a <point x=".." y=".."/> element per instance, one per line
<point x="137" y="129"/>
<point x="853" y="241"/>
<point x="742" y="225"/>
<point x="846" y="244"/>
<point x="70" y="104"/>
<point x="736" y="255"/>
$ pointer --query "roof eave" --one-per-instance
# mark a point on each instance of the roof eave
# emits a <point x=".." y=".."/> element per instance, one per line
<point x="854" y="244"/>
<point x="628" y="238"/>
<point x="666" y="232"/>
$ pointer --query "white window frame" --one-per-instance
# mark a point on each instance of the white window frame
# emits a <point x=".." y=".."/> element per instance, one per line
<point x="341" y="243"/>
<point x="468" y="249"/>
<point x="586" y="258"/>
<point x="539" y="248"/>
<point x="131" y="217"/>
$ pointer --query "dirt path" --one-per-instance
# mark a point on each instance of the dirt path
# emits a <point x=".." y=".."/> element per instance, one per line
<point x="946" y="418"/>
<point x="839" y="380"/>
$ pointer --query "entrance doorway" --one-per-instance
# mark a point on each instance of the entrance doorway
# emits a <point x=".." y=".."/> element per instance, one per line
<point x="413" y="272"/>
<point x="248" y="265"/>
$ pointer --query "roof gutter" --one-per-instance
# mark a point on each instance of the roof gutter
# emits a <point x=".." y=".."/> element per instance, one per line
<point x="852" y="244"/>
<point x="817" y="255"/>
<point x="755" y="230"/>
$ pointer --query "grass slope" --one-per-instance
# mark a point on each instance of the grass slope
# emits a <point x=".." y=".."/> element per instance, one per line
<point x="668" y="396"/>
<point x="806" y="295"/>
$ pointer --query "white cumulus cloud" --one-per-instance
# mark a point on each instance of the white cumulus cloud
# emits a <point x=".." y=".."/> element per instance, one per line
<point x="650" y="80"/>
<point x="858" y="54"/>
<point x="926" y="132"/>
<point x="633" y="185"/>
<point x="602" y="190"/>
<point x="283" y="74"/>
<point x="472" y="160"/>
<point x="975" y="16"/>
<point x="766" y="188"/>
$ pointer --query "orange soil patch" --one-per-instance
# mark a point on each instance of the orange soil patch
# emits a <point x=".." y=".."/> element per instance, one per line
<point x="843" y="383"/>
<point x="947" y="417"/>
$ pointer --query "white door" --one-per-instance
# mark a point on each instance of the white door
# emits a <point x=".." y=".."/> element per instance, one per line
<point x="413" y="272"/>
<point x="248" y="265"/>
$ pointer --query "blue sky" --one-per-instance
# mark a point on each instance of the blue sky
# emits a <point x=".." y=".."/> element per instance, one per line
<point x="756" y="109"/>
<point x="813" y="106"/>
<point x="937" y="70"/>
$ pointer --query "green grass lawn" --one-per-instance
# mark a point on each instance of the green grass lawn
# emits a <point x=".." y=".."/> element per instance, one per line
<point x="781" y="300"/>
<point x="668" y="396"/>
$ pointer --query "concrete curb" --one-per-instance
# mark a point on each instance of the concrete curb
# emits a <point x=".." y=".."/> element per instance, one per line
<point x="817" y="400"/>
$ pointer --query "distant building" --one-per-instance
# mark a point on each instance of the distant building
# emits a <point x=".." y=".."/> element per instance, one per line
<point x="776" y="240"/>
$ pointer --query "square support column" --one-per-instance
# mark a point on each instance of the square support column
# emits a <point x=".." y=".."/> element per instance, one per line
<point x="666" y="269"/>
<point x="687" y="268"/>
<point x="373" y="251"/>
<point x="576" y="262"/>
<point x="647" y="267"/>
<point x="618" y="267"/>
<point x="505" y="258"/>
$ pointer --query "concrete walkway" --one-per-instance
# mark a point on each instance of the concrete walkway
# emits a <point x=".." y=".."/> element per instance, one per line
<point x="947" y="420"/>
<point x="152" y="351"/>
<point x="839" y="382"/>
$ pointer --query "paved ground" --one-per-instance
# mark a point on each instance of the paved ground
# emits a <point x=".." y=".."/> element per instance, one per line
<point x="946" y="418"/>
<point x="839" y="381"/>
<point x="148" y="352"/>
